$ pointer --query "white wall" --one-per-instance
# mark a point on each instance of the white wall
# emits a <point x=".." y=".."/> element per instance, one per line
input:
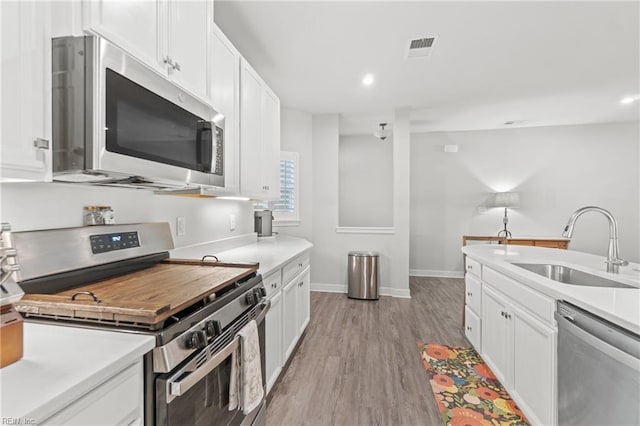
<point x="365" y="181"/>
<point x="295" y="135"/>
<point x="329" y="257"/>
<point x="556" y="169"/>
<point x="57" y="205"/>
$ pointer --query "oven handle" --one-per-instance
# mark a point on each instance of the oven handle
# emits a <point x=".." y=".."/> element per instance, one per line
<point x="179" y="388"/>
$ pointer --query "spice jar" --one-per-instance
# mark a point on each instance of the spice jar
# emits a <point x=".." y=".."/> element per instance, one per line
<point x="98" y="215"/>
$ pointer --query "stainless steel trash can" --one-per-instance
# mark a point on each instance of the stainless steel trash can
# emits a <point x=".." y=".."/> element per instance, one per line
<point x="363" y="275"/>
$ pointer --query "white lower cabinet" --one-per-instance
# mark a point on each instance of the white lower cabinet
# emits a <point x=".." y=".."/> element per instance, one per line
<point x="472" y="328"/>
<point x="289" y="320"/>
<point x="117" y="401"/>
<point x="303" y="305"/>
<point x="288" y="316"/>
<point x="520" y="350"/>
<point x="296" y="311"/>
<point x="496" y="335"/>
<point x="273" y="336"/>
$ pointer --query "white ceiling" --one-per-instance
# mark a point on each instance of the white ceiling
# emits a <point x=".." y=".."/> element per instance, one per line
<point x="547" y="63"/>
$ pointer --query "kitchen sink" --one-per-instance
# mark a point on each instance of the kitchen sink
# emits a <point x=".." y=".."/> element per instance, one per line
<point x="567" y="275"/>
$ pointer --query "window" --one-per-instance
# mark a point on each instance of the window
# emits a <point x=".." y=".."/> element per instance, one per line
<point x="286" y="208"/>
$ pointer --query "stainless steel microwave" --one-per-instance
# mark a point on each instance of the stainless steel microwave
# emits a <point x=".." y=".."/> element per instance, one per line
<point x="117" y="121"/>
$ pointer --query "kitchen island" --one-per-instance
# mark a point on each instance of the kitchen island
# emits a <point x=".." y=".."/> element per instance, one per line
<point x="621" y="306"/>
<point x="511" y="311"/>
<point x="71" y="375"/>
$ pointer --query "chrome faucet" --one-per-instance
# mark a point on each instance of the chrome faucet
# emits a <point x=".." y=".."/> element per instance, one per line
<point x="613" y="260"/>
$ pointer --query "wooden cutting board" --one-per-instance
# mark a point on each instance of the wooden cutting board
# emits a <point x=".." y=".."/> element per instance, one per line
<point x="147" y="297"/>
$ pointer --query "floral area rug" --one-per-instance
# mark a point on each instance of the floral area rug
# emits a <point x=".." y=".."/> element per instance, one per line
<point x="466" y="391"/>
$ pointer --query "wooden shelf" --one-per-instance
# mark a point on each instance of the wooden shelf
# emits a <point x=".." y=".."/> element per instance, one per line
<point x="560" y="243"/>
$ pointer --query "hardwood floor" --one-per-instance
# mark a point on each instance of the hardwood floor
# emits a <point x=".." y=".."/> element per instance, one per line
<point x="358" y="363"/>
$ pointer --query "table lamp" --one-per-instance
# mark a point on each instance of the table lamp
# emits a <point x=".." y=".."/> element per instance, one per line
<point x="508" y="200"/>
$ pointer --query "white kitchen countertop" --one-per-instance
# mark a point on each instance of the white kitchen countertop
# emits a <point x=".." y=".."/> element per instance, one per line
<point x="60" y="364"/>
<point x="271" y="252"/>
<point x="619" y="305"/>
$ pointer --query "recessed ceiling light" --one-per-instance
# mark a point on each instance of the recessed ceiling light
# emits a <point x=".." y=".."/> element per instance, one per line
<point x="629" y="99"/>
<point x="367" y="80"/>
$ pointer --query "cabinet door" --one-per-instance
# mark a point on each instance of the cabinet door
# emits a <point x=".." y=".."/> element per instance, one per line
<point x="473" y="292"/>
<point x="290" y="327"/>
<point x="225" y="78"/>
<point x="496" y="331"/>
<point x="250" y="132"/>
<point x="188" y="44"/>
<point x="135" y="26"/>
<point x="118" y="401"/>
<point x="26" y="90"/>
<point x="534" y="358"/>
<point x="304" y="302"/>
<point x="472" y="329"/>
<point x="270" y="145"/>
<point x="273" y="340"/>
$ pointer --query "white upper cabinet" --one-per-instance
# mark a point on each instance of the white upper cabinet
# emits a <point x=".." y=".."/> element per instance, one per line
<point x="171" y="37"/>
<point x="225" y="94"/>
<point x="270" y="144"/>
<point x="188" y="44"/>
<point x="259" y="137"/>
<point x="135" y="26"/>
<point x="26" y="91"/>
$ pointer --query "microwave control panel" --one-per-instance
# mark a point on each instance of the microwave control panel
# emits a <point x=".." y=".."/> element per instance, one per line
<point x="109" y="242"/>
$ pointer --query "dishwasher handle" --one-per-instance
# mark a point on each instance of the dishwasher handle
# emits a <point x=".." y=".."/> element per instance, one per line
<point x="567" y="323"/>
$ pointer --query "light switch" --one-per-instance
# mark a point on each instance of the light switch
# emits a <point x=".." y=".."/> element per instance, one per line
<point x="232" y="222"/>
<point x="181" y="226"/>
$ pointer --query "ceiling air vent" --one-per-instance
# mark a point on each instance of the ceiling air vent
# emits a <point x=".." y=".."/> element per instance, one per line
<point x="420" y="47"/>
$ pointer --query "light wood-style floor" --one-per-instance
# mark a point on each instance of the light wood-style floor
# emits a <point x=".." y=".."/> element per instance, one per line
<point x="358" y="363"/>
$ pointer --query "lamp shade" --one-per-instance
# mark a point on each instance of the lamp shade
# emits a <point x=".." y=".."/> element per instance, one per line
<point x="505" y="199"/>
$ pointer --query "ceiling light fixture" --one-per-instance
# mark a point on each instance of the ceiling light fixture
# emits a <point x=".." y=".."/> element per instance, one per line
<point x="367" y="80"/>
<point x="383" y="133"/>
<point x="629" y="99"/>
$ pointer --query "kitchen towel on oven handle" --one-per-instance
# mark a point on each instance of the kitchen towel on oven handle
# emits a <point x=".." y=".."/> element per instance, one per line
<point x="246" y="390"/>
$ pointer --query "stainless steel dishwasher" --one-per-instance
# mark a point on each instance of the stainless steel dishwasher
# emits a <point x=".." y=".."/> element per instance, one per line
<point x="598" y="370"/>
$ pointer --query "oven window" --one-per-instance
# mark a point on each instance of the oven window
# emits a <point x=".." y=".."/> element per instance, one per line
<point x="141" y="124"/>
<point x="207" y="403"/>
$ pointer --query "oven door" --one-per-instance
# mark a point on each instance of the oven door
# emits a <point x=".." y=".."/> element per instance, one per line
<point x="197" y="392"/>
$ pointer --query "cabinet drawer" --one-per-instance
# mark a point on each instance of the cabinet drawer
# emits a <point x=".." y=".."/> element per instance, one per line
<point x="294" y="267"/>
<point x="118" y="401"/>
<point x="474" y="267"/>
<point x="472" y="328"/>
<point x="532" y="301"/>
<point x="473" y="288"/>
<point x="273" y="282"/>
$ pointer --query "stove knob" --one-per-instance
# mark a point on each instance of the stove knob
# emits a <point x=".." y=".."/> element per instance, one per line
<point x="262" y="292"/>
<point x="213" y="328"/>
<point x="196" y="340"/>
<point x="251" y="298"/>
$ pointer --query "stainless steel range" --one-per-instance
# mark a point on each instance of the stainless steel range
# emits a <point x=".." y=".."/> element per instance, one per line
<point x="120" y="277"/>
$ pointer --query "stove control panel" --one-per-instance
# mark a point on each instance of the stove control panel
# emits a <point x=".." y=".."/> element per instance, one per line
<point x="104" y="243"/>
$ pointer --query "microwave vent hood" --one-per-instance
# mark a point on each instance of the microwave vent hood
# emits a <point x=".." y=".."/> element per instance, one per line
<point x="118" y="122"/>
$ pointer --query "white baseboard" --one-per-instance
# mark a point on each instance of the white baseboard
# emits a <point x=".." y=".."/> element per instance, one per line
<point x="438" y="274"/>
<point x="402" y="293"/>
<point x="329" y="288"/>
<point x="341" y="288"/>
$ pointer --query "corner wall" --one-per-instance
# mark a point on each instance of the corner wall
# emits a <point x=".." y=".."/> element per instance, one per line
<point x="329" y="256"/>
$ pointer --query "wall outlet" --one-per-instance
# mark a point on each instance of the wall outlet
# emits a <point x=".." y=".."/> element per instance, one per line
<point x="181" y="226"/>
<point x="232" y="222"/>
